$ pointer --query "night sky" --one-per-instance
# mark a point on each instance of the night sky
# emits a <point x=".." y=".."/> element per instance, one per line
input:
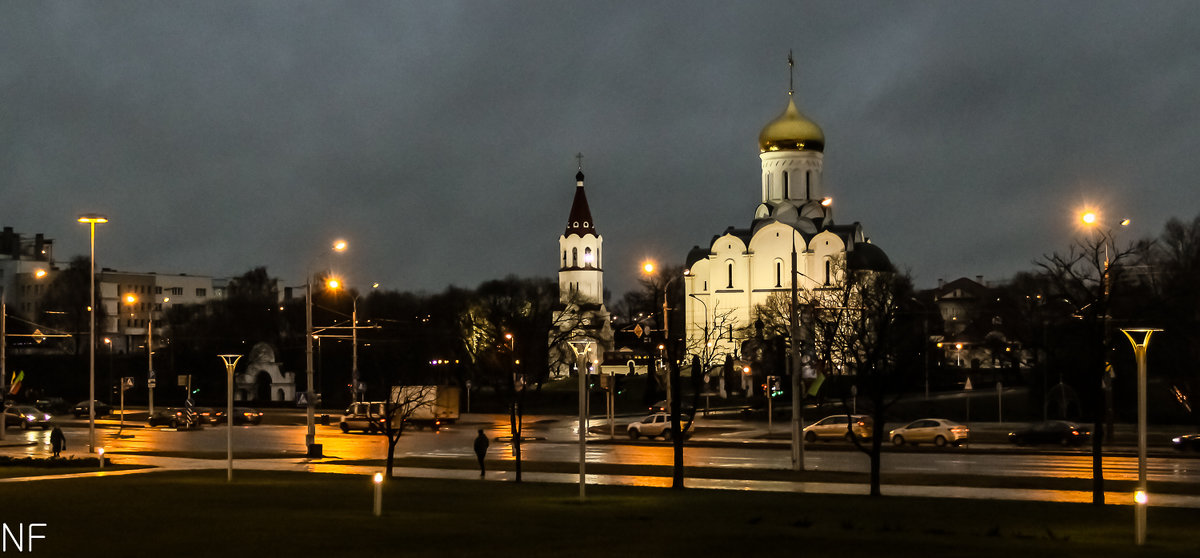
<point x="439" y="138"/>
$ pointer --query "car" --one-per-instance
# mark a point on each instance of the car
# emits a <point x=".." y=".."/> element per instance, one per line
<point x="661" y="407"/>
<point x="52" y="405"/>
<point x="208" y="415"/>
<point x="1186" y="442"/>
<point x="80" y="409"/>
<point x="173" y="417"/>
<point x="1051" y="432"/>
<point x="365" y="416"/>
<point x="839" y="427"/>
<point x="26" y="417"/>
<point x="244" y="415"/>
<point x="657" y="424"/>
<point x="937" y="431"/>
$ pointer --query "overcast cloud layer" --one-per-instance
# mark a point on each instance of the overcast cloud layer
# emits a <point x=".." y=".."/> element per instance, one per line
<point x="439" y="137"/>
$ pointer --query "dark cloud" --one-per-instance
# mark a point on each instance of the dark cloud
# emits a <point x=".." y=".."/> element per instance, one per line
<point x="439" y="137"/>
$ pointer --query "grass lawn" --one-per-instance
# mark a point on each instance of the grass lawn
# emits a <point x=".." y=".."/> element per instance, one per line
<point x="275" y="514"/>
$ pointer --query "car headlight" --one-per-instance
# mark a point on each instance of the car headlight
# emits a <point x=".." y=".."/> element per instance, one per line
<point x="29" y="418"/>
<point x="45" y="417"/>
<point x="1176" y="439"/>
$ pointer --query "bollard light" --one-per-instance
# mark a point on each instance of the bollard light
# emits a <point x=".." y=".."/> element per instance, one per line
<point x="100" y="451"/>
<point x="378" y="494"/>
<point x="1139" y="517"/>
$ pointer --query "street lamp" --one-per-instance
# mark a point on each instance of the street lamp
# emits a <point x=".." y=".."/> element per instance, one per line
<point x="1139" y="351"/>
<point x="310" y="436"/>
<point x="230" y="363"/>
<point x="581" y="347"/>
<point x="92" y="219"/>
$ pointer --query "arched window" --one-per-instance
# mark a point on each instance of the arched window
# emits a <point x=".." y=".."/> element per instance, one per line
<point x="785" y="185"/>
<point x="778" y="273"/>
<point x="730" y="268"/>
<point x="808" y="185"/>
<point x="574" y="257"/>
<point x="587" y="257"/>
<point x="826" y="272"/>
<point x="564" y="258"/>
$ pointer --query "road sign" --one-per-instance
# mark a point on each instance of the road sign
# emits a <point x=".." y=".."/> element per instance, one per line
<point x="968" y="387"/>
<point x="126" y="383"/>
<point x="637" y="330"/>
<point x="151" y="382"/>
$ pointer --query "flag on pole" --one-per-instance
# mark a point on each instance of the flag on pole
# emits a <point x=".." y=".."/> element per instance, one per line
<point x="17" y="378"/>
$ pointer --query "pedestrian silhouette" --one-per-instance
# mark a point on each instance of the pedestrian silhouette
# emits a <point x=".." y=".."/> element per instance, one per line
<point x="481" y="446"/>
<point x="58" y="441"/>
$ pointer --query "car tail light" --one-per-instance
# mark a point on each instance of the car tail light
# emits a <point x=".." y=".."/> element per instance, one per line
<point x="1074" y="432"/>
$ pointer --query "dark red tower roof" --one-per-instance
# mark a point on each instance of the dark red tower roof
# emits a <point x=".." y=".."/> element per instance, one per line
<point x="580" y="220"/>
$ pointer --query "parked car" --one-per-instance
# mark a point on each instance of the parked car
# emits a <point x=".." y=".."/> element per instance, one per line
<point x="53" y="405"/>
<point x="1186" y="442"/>
<point x="661" y="407"/>
<point x="365" y="416"/>
<point x="1051" y="432"/>
<point x="937" y="431"/>
<point x="27" y="416"/>
<point x="81" y="409"/>
<point x="839" y="427"/>
<point x="658" y="424"/>
<point x="173" y="417"/>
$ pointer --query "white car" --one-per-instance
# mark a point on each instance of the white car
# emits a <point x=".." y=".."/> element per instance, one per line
<point x="658" y="424"/>
<point x="937" y="431"/>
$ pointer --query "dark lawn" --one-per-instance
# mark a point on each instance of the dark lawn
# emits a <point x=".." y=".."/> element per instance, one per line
<point x="298" y="514"/>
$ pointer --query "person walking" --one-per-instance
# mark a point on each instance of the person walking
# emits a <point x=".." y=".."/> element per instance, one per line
<point x="58" y="440"/>
<point x="481" y="446"/>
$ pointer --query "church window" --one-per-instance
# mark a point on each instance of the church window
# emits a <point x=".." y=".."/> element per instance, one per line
<point x="564" y="258"/>
<point x="808" y="185"/>
<point x="827" y="273"/>
<point x="574" y="257"/>
<point x="730" y="268"/>
<point x="778" y="273"/>
<point x="785" y="185"/>
<point x="585" y="224"/>
<point x="587" y="257"/>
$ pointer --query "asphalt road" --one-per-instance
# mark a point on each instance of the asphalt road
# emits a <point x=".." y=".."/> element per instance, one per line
<point x="554" y="439"/>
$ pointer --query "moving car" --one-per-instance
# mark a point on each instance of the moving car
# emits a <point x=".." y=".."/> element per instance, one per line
<point x="658" y="424"/>
<point x="937" y="431"/>
<point x="173" y="417"/>
<point x="839" y="427"/>
<point x="1051" y="432"/>
<point x="244" y="415"/>
<point x="80" y="409"/>
<point x="27" y="416"/>
<point x="1186" y="442"/>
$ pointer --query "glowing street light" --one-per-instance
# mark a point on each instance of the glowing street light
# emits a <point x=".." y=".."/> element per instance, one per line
<point x="92" y="219"/>
<point x="1140" y="339"/>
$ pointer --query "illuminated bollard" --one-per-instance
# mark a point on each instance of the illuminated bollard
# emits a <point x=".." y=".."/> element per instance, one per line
<point x="378" y="494"/>
<point x="100" y="451"/>
<point x="1139" y="517"/>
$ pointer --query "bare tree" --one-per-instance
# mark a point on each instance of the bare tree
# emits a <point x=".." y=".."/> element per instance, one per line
<point x="1084" y="278"/>
<point x="401" y="406"/>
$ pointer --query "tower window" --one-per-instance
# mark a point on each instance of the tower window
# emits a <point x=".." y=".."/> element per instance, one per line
<point x="587" y="257"/>
<point x="778" y="273"/>
<point x="785" y="185"/>
<point x="574" y="257"/>
<point x="729" y="267"/>
<point x="564" y="258"/>
<point x="826" y="273"/>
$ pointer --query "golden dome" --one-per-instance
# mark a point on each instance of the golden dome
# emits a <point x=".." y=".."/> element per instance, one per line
<point x="791" y="131"/>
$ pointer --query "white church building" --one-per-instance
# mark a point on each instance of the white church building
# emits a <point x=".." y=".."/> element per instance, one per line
<point x="742" y="267"/>
<point x="582" y="320"/>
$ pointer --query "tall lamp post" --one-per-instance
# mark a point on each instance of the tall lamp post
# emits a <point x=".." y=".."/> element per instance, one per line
<point x="1140" y="346"/>
<point x="581" y="348"/>
<point x="230" y="363"/>
<point x="92" y="219"/>
<point x="310" y="437"/>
